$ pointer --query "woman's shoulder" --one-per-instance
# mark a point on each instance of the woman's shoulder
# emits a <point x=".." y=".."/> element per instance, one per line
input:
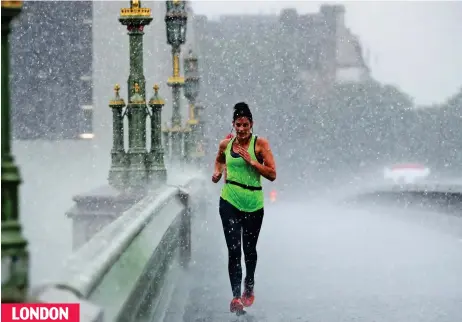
<point x="224" y="143"/>
<point x="261" y="144"/>
<point x="261" y="141"/>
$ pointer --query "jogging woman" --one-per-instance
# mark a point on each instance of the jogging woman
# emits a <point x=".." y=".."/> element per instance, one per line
<point x="247" y="158"/>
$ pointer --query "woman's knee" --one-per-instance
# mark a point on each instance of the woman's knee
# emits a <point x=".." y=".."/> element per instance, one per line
<point x="234" y="251"/>
<point x="250" y="251"/>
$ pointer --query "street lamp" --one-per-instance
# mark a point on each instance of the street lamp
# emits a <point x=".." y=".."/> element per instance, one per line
<point x="192" y="83"/>
<point x="176" y="20"/>
<point x="156" y="166"/>
<point x="15" y="258"/>
<point x="117" y="173"/>
<point x="201" y="145"/>
<point x="191" y="90"/>
<point x="136" y="18"/>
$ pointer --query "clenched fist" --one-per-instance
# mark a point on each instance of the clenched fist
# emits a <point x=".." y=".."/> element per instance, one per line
<point x="216" y="177"/>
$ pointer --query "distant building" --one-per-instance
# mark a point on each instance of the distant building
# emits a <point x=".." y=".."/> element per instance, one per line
<point x="51" y="71"/>
<point x="318" y="48"/>
<point x="328" y="51"/>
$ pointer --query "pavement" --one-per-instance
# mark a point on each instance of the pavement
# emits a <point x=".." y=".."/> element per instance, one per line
<point x="320" y="262"/>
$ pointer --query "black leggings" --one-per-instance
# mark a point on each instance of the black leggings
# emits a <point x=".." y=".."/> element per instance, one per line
<point x="239" y="225"/>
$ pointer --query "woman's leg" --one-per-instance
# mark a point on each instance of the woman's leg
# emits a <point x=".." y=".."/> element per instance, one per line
<point x="251" y="225"/>
<point x="231" y="219"/>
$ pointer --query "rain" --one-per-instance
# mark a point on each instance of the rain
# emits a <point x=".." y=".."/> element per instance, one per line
<point x="354" y="121"/>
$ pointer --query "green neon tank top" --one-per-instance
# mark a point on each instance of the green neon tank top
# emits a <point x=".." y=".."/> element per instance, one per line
<point x="242" y="173"/>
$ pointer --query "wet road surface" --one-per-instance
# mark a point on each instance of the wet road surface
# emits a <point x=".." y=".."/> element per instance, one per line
<point x="323" y="263"/>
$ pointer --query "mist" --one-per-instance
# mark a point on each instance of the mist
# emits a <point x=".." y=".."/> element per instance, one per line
<point x="334" y="116"/>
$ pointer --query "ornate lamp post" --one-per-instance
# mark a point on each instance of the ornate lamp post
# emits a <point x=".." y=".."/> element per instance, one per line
<point x="135" y="18"/>
<point x="134" y="169"/>
<point x="176" y="20"/>
<point x="191" y="90"/>
<point x="156" y="166"/>
<point x="199" y="112"/>
<point x="14" y="253"/>
<point x="117" y="173"/>
<point x="200" y="135"/>
<point x="166" y="139"/>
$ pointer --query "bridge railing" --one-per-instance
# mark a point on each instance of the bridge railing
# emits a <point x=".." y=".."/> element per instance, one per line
<point x="127" y="271"/>
<point x="438" y="195"/>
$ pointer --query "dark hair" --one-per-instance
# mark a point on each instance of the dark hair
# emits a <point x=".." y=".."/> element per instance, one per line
<point x="241" y="109"/>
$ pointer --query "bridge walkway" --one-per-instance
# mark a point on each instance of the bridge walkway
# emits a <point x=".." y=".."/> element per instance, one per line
<point x="322" y="263"/>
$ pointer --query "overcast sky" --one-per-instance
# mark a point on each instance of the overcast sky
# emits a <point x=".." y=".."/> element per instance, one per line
<point x="415" y="45"/>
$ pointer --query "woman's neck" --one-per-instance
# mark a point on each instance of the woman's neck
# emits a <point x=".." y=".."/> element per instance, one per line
<point x="244" y="141"/>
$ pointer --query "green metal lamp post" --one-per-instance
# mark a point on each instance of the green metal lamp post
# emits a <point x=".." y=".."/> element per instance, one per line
<point x="199" y="110"/>
<point x="176" y="20"/>
<point x="117" y="173"/>
<point x="156" y="166"/>
<point x="135" y="18"/>
<point x="191" y="90"/>
<point x="200" y="135"/>
<point x="166" y="139"/>
<point x="187" y="134"/>
<point x="134" y="170"/>
<point x="15" y="260"/>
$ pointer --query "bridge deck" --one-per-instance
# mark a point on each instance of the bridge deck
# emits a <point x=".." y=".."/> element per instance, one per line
<point x="321" y="263"/>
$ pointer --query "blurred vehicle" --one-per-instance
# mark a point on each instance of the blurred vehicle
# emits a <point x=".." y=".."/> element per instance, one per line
<point x="406" y="173"/>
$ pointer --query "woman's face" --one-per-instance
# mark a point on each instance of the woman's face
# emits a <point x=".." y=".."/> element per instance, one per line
<point x="243" y="127"/>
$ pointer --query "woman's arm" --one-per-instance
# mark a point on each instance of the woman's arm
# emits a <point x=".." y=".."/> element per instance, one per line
<point x="220" y="161"/>
<point x="268" y="168"/>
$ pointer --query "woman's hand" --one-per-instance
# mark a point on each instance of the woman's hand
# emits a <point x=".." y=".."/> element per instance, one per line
<point x="216" y="177"/>
<point x="244" y="154"/>
<point x="220" y="161"/>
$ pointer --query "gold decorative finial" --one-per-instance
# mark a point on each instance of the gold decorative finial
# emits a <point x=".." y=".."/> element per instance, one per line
<point x="135" y="10"/>
<point x="156" y="100"/>
<point x="176" y="2"/>
<point x="136" y="98"/>
<point x="117" y="101"/>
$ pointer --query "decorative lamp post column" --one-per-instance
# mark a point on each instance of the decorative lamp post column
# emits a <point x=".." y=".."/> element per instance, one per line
<point x="176" y="20"/>
<point x="166" y="140"/>
<point x="156" y="166"/>
<point x="201" y="148"/>
<point x="200" y="134"/>
<point x="131" y="167"/>
<point x="199" y="112"/>
<point x="191" y="90"/>
<point x="135" y="18"/>
<point x="117" y="173"/>
<point x="15" y="260"/>
<point x="188" y="134"/>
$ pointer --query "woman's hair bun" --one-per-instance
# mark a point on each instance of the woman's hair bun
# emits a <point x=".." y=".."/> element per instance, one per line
<point x="241" y="109"/>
